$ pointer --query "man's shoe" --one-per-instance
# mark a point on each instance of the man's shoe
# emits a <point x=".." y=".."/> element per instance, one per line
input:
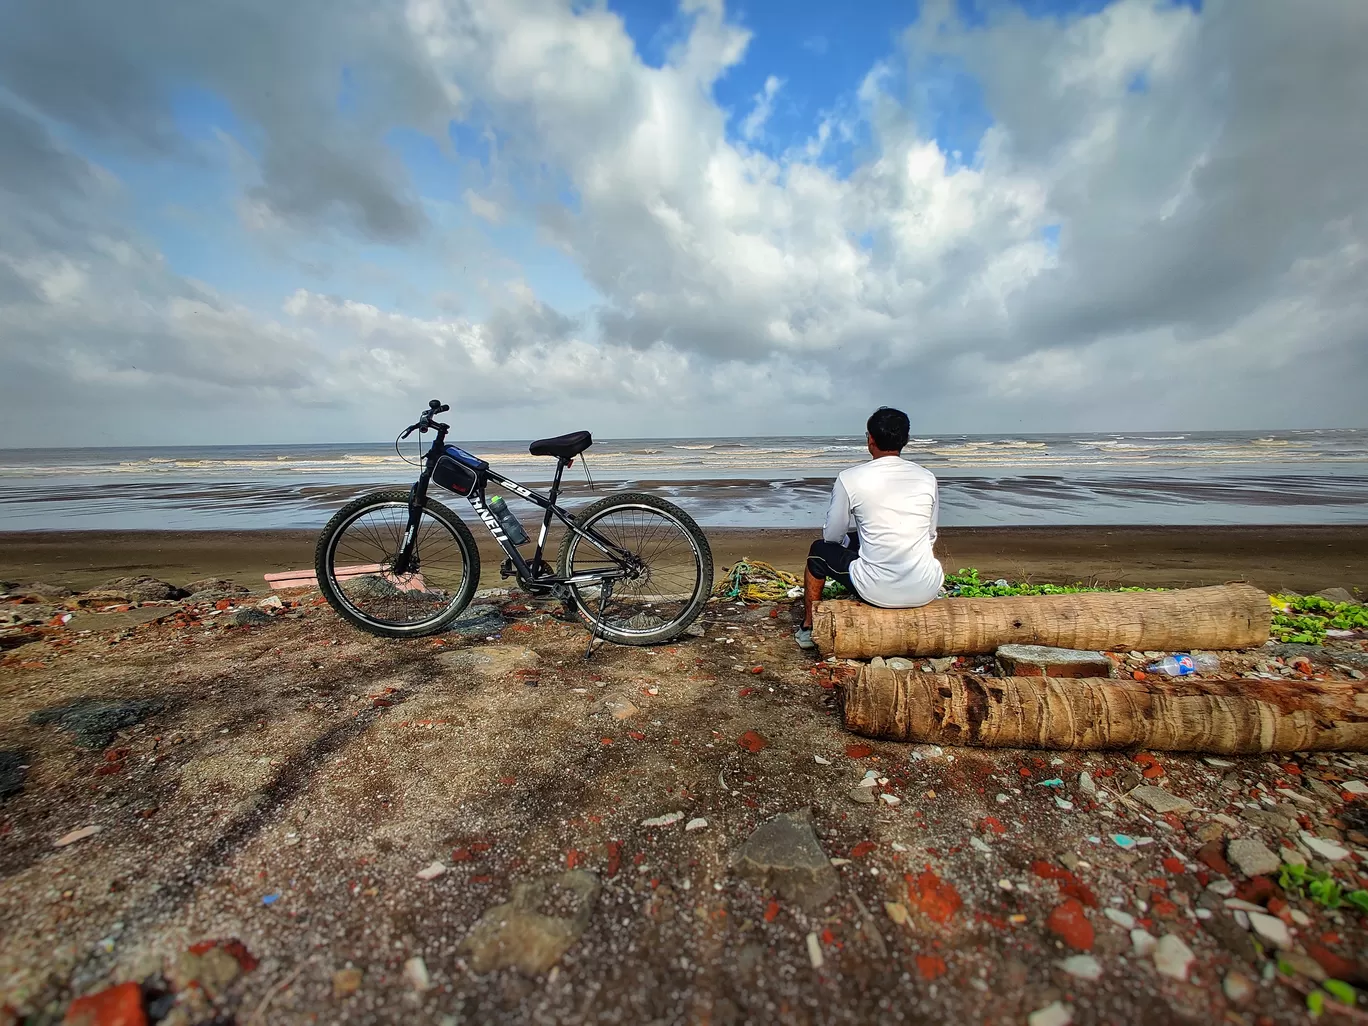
<point x="804" y="638"/>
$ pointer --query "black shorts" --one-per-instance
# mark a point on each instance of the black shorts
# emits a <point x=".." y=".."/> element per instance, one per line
<point x="831" y="560"/>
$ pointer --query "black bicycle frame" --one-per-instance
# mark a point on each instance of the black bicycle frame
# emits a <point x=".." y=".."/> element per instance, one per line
<point x="535" y="573"/>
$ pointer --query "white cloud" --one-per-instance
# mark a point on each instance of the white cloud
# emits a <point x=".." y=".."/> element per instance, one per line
<point x="1201" y="169"/>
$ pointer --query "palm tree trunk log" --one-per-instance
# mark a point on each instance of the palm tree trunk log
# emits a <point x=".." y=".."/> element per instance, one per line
<point x="1236" y="717"/>
<point x="1229" y="616"/>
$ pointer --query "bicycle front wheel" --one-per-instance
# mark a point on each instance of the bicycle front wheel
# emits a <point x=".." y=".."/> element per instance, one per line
<point x="671" y="584"/>
<point x="356" y="559"/>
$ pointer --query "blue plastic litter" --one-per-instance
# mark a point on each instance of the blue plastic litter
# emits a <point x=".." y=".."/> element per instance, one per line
<point x="1122" y="841"/>
<point x="271" y="899"/>
<point x="1056" y="782"/>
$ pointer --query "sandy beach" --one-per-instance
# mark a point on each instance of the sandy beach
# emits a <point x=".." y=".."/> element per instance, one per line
<point x="1303" y="559"/>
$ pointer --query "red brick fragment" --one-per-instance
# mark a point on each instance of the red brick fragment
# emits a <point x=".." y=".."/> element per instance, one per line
<point x="614" y="857"/>
<point x="753" y="741"/>
<point x="1211" y="856"/>
<point x="115" y="1006"/>
<point x="1162" y="908"/>
<point x="1070" y="924"/>
<point x="932" y="896"/>
<point x="1257" y="889"/>
<point x="771" y="911"/>
<point x="858" y="751"/>
<point x="1339" y="967"/>
<point x="862" y="849"/>
<point x="1079" y="890"/>
<point x="994" y="824"/>
<point x="930" y="966"/>
<point x="1151" y="772"/>
<point x="1174" y="865"/>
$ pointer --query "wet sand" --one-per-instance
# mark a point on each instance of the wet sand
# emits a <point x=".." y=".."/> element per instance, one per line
<point x="1300" y="558"/>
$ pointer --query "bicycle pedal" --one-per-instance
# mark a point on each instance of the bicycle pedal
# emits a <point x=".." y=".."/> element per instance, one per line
<point x="506" y="569"/>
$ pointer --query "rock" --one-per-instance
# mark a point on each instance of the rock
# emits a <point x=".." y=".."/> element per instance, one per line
<point x="1044" y="661"/>
<point x="271" y="602"/>
<point x="814" y="950"/>
<point x="1069" y="923"/>
<point x="620" y="707"/>
<point x="431" y="871"/>
<point x="213" y="969"/>
<point x="1271" y="929"/>
<point x="669" y="819"/>
<point x="13" y="766"/>
<point x="144" y="589"/>
<point x="490" y="660"/>
<point x="1223" y="888"/>
<point x="1085" y="967"/>
<point x="784" y="853"/>
<point x="479" y="621"/>
<point x="696" y="630"/>
<point x="1210" y="856"/>
<point x="1238" y="987"/>
<point x="1337" y="595"/>
<point x="898" y="663"/>
<point x="1143" y="942"/>
<point x="121" y="1005"/>
<point x="1268" y="820"/>
<point x="517" y="935"/>
<point x="77" y="835"/>
<point x="95" y="721"/>
<point x="46" y="590"/>
<point x="1303" y="965"/>
<point x="863" y="796"/>
<point x="1328" y="850"/>
<point x="345" y="982"/>
<point x="1086" y="784"/>
<point x="248" y="617"/>
<point x="943" y="665"/>
<point x="416" y="973"/>
<point x="1161" y="801"/>
<point x="1172" y="957"/>
<point x="1122" y="919"/>
<point x="1252" y="858"/>
<point x="897" y="912"/>
<point x="1053" y="1014"/>
<point x="1355" y="787"/>
<point x="698" y="823"/>
<point x="211" y="589"/>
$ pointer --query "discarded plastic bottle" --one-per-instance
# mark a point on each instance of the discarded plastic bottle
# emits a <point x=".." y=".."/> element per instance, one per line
<point x="1181" y="665"/>
<point x="511" y="525"/>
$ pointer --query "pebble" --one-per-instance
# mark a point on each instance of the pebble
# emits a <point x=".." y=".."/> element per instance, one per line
<point x="1271" y="929"/>
<point x="821" y="761"/>
<point x="1242" y="905"/>
<point x="979" y="845"/>
<point x="77" y="835"/>
<point x="1123" y="841"/>
<point x="897" y="912"/>
<point x="814" y="949"/>
<point x="1053" y="1014"/>
<point x="1086" y="784"/>
<point x="893" y="799"/>
<point x="416" y="973"/>
<point x="1085" y="967"/>
<point x="1064" y="804"/>
<point x="1160" y="800"/>
<point x="1237" y="987"/>
<point x="1242" y="919"/>
<point x="1172" y="957"/>
<point x="669" y="819"/>
<point x="346" y="981"/>
<point x="1225" y="888"/>
<point x="431" y="872"/>
<point x="697" y="823"/>
<point x="1325" y="849"/>
<point x="1122" y="919"/>
<point x="1143" y="942"/>
<point x="863" y="795"/>
<point x="1299" y="917"/>
<point x="1252" y="858"/>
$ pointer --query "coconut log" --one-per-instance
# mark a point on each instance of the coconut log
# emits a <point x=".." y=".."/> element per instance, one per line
<point x="1236" y="717"/>
<point x="1225" y="617"/>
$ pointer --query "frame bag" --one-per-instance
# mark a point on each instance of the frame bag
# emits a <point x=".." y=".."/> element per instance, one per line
<point x="459" y="471"/>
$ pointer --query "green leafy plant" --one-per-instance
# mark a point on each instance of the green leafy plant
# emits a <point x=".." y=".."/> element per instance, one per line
<point x="1359" y="899"/>
<point x="1341" y="990"/>
<point x="966" y="583"/>
<point x="1315" y="1003"/>
<point x="1326" y="892"/>
<point x="1292" y="877"/>
<point x="1304" y="619"/>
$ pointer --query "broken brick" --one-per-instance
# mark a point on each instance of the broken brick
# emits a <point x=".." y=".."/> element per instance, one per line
<point x="1070" y="924"/>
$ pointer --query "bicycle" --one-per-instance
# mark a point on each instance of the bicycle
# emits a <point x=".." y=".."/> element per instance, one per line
<point x="380" y="559"/>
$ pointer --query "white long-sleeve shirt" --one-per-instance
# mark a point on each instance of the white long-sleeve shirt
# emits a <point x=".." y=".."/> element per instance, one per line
<point x="894" y="505"/>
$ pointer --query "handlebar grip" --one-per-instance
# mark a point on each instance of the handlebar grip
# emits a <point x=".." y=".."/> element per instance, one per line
<point x="442" y="409"/>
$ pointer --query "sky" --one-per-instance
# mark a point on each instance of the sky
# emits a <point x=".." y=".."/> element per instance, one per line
<point x="242" y="221"/>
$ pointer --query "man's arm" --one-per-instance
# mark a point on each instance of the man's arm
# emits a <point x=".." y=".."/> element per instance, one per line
<point x="838" y="522"/>
<point x="935" y="510"/>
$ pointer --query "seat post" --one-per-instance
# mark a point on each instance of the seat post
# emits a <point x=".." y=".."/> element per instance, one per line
<point x="546" y="518"/>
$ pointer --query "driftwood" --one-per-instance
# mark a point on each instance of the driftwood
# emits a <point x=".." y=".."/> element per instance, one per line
<point x="1225" y="617"/>
<point x="1242" y="716"/>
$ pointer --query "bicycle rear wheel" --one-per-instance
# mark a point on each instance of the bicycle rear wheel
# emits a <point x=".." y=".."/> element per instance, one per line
<point x="673" y="582"/>
<point x="355" y="560"/>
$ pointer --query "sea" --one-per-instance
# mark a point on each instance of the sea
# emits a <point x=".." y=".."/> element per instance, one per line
<point x="1180" y="478"/>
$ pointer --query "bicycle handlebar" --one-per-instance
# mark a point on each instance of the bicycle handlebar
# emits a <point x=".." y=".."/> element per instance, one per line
<point x="425" y="420"/>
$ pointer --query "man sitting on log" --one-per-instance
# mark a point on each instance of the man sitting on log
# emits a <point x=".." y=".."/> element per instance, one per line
<point x="893" y="505"/>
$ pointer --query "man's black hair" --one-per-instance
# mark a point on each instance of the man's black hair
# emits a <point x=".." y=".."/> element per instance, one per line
<point x="889" y="428"/>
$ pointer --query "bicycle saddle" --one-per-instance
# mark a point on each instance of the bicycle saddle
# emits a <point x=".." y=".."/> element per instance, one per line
<point x="563" y="447"/>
